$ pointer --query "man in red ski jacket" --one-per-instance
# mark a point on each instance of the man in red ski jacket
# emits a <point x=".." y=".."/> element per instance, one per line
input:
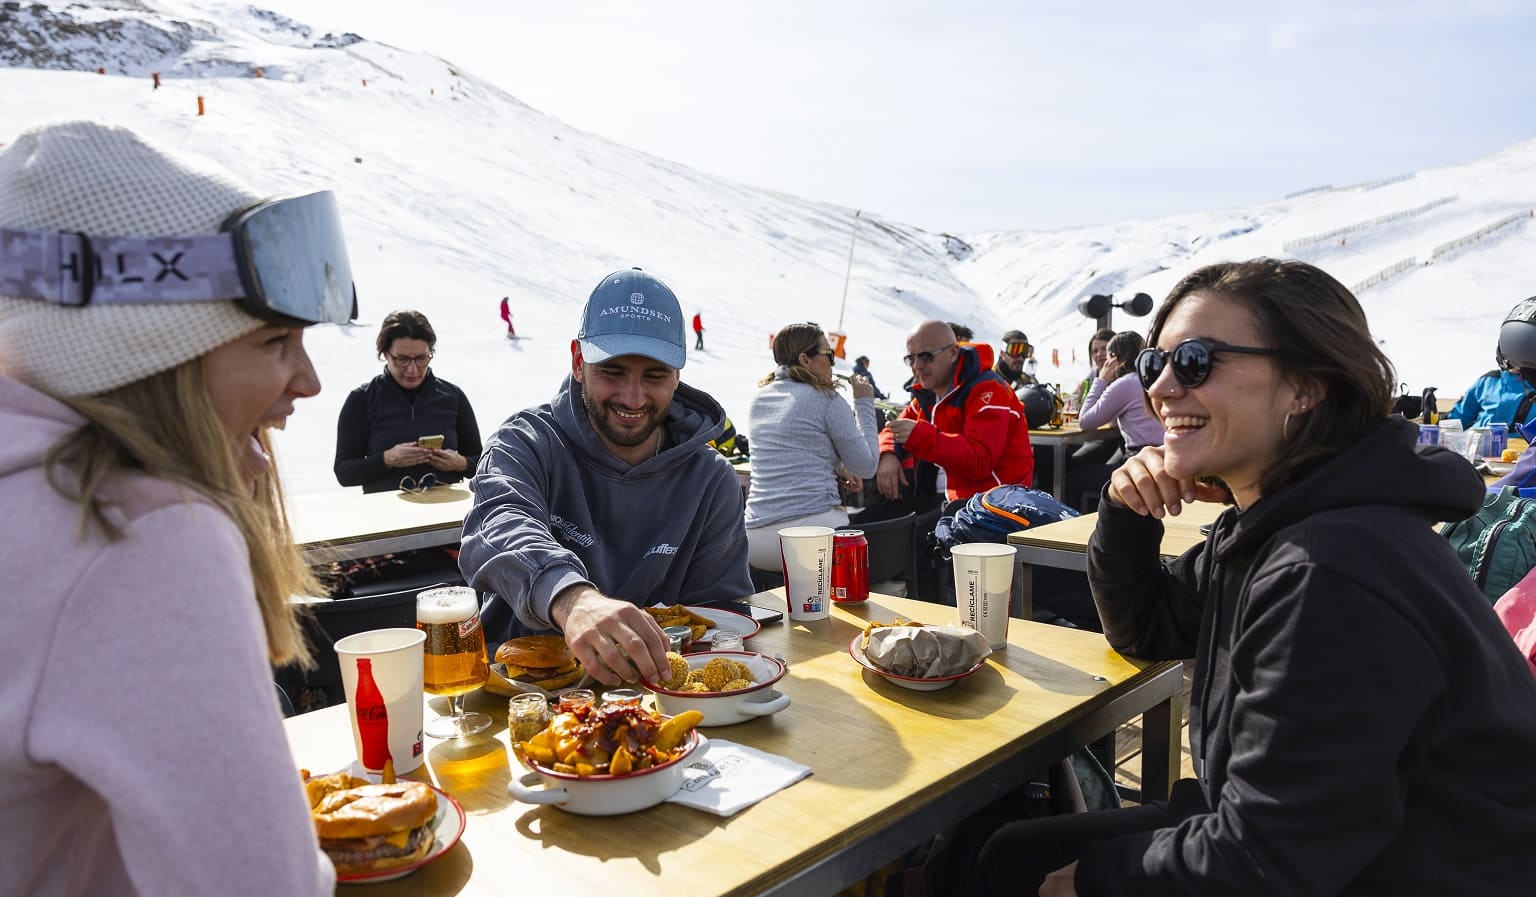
<point x="962" y="418"/>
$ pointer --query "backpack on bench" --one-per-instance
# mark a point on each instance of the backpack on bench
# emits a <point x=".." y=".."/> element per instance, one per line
<point x="1498" y="543"/>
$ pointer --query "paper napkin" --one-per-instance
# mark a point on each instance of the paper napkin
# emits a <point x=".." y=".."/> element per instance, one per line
<point x="726" y="777"/>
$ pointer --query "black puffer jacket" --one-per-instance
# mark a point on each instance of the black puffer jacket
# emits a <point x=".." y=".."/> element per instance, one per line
<point x="1361" y="723"/>
<point x="380" y="415"/>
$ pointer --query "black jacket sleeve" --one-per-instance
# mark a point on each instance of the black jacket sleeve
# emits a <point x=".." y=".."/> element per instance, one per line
<point x="468" y="433"/>
<point x="354" y="466"/>
<point x="1149" y="610"/>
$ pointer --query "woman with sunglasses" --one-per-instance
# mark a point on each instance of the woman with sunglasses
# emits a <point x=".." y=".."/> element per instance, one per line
<point x="1359" y="721"/>
<point x="806" y="440"/>
<point x="407" y="428"/>
<point x="148" y="566"/>
<point x="1116" y="397"/>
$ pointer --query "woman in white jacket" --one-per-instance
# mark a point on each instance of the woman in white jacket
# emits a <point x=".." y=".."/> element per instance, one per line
<point x="805" y="440"/>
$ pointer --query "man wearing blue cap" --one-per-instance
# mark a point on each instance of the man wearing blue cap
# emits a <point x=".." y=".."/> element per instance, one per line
<point x="609" y="499"/>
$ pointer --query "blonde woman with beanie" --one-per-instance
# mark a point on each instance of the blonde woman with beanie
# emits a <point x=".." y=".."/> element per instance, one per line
<point x="151" y="330"/>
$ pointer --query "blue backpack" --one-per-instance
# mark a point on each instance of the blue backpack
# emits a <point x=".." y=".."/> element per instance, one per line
<point x="990" y="516"/>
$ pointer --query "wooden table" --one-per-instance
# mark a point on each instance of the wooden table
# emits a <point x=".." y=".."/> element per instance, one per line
<point x="891" y="768"/>
<point x="340" y="524"/>
<point x="1058" y="439"/>
<point x="1064" y="544"/>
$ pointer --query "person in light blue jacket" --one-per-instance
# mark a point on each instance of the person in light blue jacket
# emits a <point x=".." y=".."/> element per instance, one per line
<point x="805" y="439"/>
<point x="609" y="499"/>
<point x="1497" y="397"/>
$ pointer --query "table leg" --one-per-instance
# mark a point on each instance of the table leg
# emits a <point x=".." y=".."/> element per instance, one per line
<point x="1021" y="598"/>
<point x="1160" y="749"/>
<point x="1059" y="475"/>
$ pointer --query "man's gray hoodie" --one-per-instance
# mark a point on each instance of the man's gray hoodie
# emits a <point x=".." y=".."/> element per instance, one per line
<point x="554" y="507"/>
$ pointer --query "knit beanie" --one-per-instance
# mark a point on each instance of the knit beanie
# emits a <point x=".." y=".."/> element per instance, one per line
<point x="107" y="182"/>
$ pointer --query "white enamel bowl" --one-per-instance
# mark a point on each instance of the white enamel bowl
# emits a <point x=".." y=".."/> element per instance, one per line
<point x="604" y="795"/>
<point x="726" y="708"/>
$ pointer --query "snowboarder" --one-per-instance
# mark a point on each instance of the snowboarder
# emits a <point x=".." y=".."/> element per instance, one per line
<point x="506" y="315"/>
<point x="698" y="330"/>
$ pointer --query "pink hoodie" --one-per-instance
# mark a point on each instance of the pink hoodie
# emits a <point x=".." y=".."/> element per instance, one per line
<point x="1517" y="611"/>
<point x="141" y="747"/>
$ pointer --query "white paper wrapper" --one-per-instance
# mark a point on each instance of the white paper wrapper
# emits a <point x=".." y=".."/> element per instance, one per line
<point x="926" y="652"/>
<point x="726" y="777"/>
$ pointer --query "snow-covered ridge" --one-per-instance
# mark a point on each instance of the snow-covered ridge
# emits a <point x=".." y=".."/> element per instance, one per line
<point x="134" y="38"/>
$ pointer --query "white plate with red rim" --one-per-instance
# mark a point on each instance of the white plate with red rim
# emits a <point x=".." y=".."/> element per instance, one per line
<point x="447" y="827"/>
<point x="916" y="683"/>
<point x="721" y="620"/>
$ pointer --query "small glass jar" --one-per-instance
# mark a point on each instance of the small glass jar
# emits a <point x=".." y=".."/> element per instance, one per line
<point x="728" y="641"/>
<point x="572" y="698"/>
<point x="622" y="697"/>
<point x="678" y="638"/>
<point x="527" y="715"/>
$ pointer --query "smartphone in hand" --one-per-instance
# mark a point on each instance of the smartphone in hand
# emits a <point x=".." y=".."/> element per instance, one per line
<point x="431" y="442"/>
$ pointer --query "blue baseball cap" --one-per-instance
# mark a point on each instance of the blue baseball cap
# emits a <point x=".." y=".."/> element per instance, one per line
<point x="633" y="313"/>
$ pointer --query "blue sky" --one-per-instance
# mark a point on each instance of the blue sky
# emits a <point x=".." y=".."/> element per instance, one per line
<point x="966" y="115"/>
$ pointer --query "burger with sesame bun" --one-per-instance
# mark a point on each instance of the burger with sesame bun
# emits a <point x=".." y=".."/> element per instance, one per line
<point x="367" y="828"/>
<point x="542" y="660"/>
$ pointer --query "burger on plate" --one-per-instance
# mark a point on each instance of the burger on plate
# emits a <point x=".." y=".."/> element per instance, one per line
<point x="542" y="660"/>
<point x="369" y="828"/>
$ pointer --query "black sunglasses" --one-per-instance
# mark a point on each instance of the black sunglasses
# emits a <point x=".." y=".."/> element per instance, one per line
<point x="1191" y="359"/>
<point x="415" y="486"/>
<point x="924" y="357"/>
<point x="831" y="354"/>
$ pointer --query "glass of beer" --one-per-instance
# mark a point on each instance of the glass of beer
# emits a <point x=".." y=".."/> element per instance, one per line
<point x="454" y="656"/>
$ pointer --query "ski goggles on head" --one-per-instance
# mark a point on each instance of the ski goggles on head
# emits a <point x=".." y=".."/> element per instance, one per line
<point x="282" y="259"/>
<point x="1017" y="350"/>
<point x="1191" y="360"/>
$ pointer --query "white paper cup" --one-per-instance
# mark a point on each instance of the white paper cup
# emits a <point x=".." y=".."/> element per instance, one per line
<point x="807" y="556"/>
<point x="396" y="659"/>
<point x="983" y="580"/>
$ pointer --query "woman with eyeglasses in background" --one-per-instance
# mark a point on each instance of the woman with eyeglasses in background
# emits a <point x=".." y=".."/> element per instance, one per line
<point x="1359" y="720"/>
<point x="407" y="428"/>
<point x="805" y="440"/>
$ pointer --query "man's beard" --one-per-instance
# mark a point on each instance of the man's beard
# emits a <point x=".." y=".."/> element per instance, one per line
<point x="602" y="418"/>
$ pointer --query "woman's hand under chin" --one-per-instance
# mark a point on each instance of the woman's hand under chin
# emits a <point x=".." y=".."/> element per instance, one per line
<point x="1144" y="485"/>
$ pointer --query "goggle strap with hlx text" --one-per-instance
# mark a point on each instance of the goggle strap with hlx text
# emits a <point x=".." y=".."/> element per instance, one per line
<point x="282" y="259"/>
<point x="77" y="270"/>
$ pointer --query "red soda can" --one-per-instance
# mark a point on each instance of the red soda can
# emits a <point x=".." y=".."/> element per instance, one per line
<point x="850" y="567"/>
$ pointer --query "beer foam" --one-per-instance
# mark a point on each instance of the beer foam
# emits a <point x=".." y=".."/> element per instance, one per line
<point x="446" y="606"/>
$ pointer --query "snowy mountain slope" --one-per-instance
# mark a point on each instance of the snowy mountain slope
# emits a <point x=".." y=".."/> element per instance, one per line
<point x="1040" y="276"/>
<point x="455" y="194"/>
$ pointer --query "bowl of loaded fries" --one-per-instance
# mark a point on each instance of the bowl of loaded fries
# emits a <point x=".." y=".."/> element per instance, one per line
<point x="606" y="760"/>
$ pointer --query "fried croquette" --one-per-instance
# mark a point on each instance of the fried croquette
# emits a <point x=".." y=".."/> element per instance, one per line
<point x="678" y="676"/>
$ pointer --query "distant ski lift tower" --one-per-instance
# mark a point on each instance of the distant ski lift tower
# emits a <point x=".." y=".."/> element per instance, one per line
<point x="840" y="337"/>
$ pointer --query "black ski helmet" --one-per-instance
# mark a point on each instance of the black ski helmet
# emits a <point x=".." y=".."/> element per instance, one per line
<point x="1517" y="337"/>
<point x="1039" y="404"/>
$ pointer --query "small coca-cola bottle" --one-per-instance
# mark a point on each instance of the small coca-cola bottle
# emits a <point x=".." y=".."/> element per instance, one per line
<point x="372" y="717"/>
